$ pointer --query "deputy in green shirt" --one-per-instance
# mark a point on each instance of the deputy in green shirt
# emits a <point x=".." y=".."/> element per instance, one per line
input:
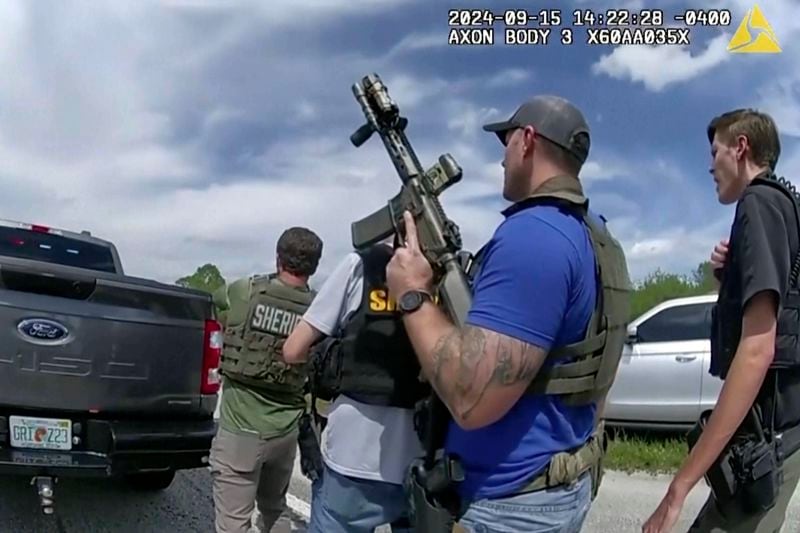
<point x="262" y="400"/>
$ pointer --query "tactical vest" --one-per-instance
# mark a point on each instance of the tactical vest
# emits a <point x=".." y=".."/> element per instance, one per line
<point x="727" y="314"/>
<point x="252" y="349"/>
<point x="378" y="363"/>
<point x="584" y="371"/>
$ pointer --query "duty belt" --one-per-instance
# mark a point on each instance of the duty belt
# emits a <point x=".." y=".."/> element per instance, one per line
<point x="567" y="467"/>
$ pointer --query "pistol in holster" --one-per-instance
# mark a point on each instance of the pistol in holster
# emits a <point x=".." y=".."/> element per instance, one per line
<point x="431" y="481"/>
<point x="433" y="501"/>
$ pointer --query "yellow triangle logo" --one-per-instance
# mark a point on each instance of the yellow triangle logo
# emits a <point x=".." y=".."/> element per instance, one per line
<point x="764" y="42"/>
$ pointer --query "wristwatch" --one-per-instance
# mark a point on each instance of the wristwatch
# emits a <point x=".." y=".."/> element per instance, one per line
<point x="412" y="300"/>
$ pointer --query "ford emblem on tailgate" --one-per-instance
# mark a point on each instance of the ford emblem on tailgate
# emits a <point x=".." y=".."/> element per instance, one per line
<point x="43" y="331"/>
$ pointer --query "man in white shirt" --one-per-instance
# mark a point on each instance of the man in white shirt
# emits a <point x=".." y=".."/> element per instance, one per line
<point x="369" y="440"/>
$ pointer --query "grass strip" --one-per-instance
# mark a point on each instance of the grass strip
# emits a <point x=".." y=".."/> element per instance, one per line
<point x="651" y="452"/>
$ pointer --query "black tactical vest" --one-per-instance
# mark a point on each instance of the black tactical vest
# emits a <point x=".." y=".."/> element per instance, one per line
<point x="378" y="363"/>
<point x="728" y="312"/>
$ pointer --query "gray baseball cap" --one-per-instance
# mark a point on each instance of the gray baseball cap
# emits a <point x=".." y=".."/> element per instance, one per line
<point x="555" y="119"/>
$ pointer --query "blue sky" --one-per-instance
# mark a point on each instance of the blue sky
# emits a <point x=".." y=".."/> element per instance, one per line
<point x="191" y="132"/>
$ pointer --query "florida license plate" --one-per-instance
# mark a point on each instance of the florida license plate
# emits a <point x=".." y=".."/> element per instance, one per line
<point x="40" y="433"/>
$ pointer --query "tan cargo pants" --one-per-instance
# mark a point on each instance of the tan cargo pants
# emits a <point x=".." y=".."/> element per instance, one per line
<point x="713" y="519"/>
<point x="246" y="470"/>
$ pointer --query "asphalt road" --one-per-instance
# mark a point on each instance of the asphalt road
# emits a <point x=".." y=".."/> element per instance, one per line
<point x="626" y="501"/>
<point x="186" y="506"/>
<point x="90" y="506"/>
<point x="111" y="506"/>
<point x="623" y="504"/>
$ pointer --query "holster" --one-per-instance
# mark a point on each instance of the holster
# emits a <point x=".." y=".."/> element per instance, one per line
<point x="748" y="473"/>
<point x="434" y="505"/>
<point x="325" y="372"/>
<point x="759" y="474"/>
<point x="310" y="454"/>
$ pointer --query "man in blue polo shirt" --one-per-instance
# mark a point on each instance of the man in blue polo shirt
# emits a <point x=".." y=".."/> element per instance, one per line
<point x="535" y="291"/>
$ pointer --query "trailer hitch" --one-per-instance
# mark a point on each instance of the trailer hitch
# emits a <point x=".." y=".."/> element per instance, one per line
<point x="44" y="487"/>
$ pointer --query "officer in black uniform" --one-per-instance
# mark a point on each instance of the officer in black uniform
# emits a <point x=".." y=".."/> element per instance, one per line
<point x="747" y="448"/>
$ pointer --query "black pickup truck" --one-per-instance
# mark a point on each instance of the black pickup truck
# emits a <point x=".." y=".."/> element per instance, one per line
<point x="101" y="374"/>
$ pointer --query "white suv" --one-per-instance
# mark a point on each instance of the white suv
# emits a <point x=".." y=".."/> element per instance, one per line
<point x="663" y="379"/>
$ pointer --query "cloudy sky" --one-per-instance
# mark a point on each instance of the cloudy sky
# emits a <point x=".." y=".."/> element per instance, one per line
<point x="191" y="131"/>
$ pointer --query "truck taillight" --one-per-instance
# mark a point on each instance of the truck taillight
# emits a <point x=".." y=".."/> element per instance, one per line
<point x="212" y="349"/>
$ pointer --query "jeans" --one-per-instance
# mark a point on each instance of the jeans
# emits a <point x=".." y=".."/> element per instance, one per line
<point x="557" y="510"/>
<point x="352" y="505"/>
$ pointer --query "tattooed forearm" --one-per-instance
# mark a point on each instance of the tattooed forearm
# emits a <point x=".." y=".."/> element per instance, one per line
<point x="446" y="349"/>
<point x="469" y="362"/>
<point x="516" y="361"/>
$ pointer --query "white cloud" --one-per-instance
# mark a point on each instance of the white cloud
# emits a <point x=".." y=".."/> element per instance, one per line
<point x="306" y="111"/>
<point x="648" y="248"/>
<point x="781" y="15"/>
<point x="418" y="41"/>
<point x="665" y="217"/>
<point x="781" y="99"/>
<point x="190" y="132"/>
<point x="174" y="138"/>
<point x="121" y="124"/>
<point x="779" y="93"/>
<point x="279" y="12"/>
<point x="777" y="87"/>
<point x="509" y="77"/>
<point x="606" y="169"/>
<point x="677" y="249"/>
<point x="658" y="67"/>
<point x="467" y="120"/>
<point x="789" y="164"/>
<point x="409" y="91"/>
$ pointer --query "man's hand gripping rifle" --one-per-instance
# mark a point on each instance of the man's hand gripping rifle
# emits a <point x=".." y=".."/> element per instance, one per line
<point x="431" y="480"/>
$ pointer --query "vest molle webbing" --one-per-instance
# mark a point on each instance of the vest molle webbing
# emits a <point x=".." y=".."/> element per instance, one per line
<point x="593" y="361"/>
<point x="251" y="354"/>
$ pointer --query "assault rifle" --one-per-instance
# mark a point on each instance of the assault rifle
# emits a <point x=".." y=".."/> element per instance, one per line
<point x="430" y="481"/>
<point x="439" y="237"/>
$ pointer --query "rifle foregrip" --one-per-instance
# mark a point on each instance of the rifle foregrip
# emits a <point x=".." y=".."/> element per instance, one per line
<point x="361" y="135"/>
<point x="455" y="293"/>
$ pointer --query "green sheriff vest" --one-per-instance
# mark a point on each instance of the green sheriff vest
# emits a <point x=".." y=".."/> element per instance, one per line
<point x="252" y="348"/>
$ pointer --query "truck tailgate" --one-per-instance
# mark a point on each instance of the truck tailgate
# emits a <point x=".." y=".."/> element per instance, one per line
<point x="76" y="340"/>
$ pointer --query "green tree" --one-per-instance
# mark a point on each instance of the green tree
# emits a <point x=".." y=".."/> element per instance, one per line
<point x="206" y="278"/>
<point x="704" y="277"/>
<point x="660" y="286"/>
